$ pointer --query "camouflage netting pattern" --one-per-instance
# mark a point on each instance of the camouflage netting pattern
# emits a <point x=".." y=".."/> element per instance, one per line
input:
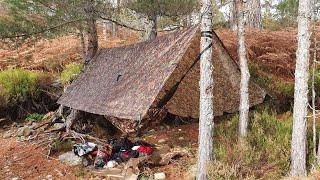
<point x="185" y="101"/>
<point x="130" y="83"/>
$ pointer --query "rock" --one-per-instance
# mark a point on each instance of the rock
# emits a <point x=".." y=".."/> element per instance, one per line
<point x="161" y="141"/>
<point x="20" y="131"/>
<point x="111" y="164"/>
<point x="14" y="124"/>
<point x="15" y="178"/>
<point x="49" y="177"/>
<point x="181" y="138"/>
<point x="24" y="131"/>
<point x="58" y="125"/>
<point x="27" y="131"/>
<point x="70" y="158"/>
<point x="159" y="176"/>
<point x="132" y="177"/>
<point x="33" y="125"/>
<point x="7" y="134"/>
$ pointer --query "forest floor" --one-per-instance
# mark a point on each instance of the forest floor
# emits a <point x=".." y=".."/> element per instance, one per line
<point x="27" y="160"/>
<point x="273" y="52"/>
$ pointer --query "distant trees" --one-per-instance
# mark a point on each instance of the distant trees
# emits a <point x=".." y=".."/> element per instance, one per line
<point x="254" y="16"/>
<point x="48" y="18"/>
<point x="287" y="12"/>
<point x="300" y="111"/>
<point x="154" y="9"/>
<point x="205" y="154"/>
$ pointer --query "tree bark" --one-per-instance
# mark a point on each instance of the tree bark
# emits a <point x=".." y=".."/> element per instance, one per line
<point x="245" y="75"/>
<point x="92" y="32"/>
<point x="205" y="154"/>
<point x="254" y="17"/>
<point x="313" y="91"/>
<point x="233" y="16"/>
<point x="299" y="131"/>
<point x="83" y="44"/>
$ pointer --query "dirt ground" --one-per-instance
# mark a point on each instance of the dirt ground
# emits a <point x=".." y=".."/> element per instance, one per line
<point x="26" y="160"/>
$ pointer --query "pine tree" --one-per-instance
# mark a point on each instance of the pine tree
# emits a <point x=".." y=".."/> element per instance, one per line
<point x="206" y="123"/>
<point x="299" y="131"/>
<point x="245" y="75"/>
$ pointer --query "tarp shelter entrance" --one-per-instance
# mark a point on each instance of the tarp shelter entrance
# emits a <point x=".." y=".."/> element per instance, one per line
<point x="127" y="83"/>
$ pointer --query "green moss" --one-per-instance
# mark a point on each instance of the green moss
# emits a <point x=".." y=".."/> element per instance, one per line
<point x="70" y="73"/>
<point x="34" y="117"/>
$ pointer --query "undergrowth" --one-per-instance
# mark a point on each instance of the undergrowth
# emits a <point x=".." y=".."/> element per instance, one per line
<point x="62" y="146"/>
<point x="18" y="85"/>
<point x="266" y="153"/>
<point x="70" y="73"/>
<point x="278" y="87"/>
<point x="34" y="117"/>
<point x="273" y="85"/>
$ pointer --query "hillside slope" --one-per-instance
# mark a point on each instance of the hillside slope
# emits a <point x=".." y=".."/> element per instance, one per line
<point x="273" y="51"/>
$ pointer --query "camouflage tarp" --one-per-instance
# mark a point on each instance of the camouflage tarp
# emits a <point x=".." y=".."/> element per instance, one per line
<point x="130" y="83"/>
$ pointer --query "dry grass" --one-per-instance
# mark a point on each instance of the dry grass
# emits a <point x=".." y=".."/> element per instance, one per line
<point x="53" y="55"/>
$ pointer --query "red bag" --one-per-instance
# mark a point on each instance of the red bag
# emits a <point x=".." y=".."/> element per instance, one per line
<point x="145" y="149"/>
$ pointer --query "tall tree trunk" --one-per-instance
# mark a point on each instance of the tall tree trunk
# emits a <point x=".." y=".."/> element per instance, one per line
<point x="233" y="15"/>
<point x="245" y="75"/>
<point x="299" y="131"/>
<point x="92" y="32"/>
<point x="313" y="91"/>
<point x="206" y="92"/>
<point x="83" y="44"/>
<point x="254" y="17"/>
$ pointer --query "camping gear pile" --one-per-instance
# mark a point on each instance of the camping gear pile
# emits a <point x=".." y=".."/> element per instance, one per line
<point x="114" y="152"/>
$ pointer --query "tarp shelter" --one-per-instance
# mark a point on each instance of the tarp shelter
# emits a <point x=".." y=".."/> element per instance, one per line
<point x="126" y="84"/>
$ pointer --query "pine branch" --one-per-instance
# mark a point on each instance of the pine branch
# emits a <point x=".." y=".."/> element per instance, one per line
<point x="41" y="31"/>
